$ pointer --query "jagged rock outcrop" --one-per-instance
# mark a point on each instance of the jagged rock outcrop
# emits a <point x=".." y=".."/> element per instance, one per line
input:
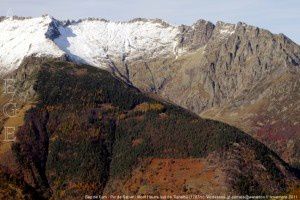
<point x="196" y="36"/>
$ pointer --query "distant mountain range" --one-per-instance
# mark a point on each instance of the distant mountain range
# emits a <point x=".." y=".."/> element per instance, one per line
<point x="102" y="116"/>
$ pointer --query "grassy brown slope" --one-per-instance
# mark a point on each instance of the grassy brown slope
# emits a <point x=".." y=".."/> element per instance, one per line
<point x="90" y="131"/>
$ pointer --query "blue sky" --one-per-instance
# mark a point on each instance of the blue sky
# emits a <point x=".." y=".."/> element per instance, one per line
<point x="279" y="16"/>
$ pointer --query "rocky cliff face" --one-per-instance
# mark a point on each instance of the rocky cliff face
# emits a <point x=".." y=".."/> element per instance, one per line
<point x="242" y="75"/>
<point x="196" y="36"/>
<point x="232" y="60"/>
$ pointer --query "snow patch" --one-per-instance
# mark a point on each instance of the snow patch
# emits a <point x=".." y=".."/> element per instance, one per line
<point x="225" y="29"/>
<point x="227" y="32"/>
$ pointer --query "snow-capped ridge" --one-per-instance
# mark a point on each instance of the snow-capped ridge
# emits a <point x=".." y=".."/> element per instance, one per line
<point x="2" y="18"/>
<point x="69" y="22"/>
<point x="97" y="41"/>
<point x="90" y="40"/>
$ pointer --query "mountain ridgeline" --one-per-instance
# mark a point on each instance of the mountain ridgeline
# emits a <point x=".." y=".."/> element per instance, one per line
<point x="91" y="133"/>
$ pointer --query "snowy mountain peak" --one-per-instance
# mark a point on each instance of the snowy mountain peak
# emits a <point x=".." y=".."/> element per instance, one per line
<point x="23" y="37"/>
<point x="86" y="41"/>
